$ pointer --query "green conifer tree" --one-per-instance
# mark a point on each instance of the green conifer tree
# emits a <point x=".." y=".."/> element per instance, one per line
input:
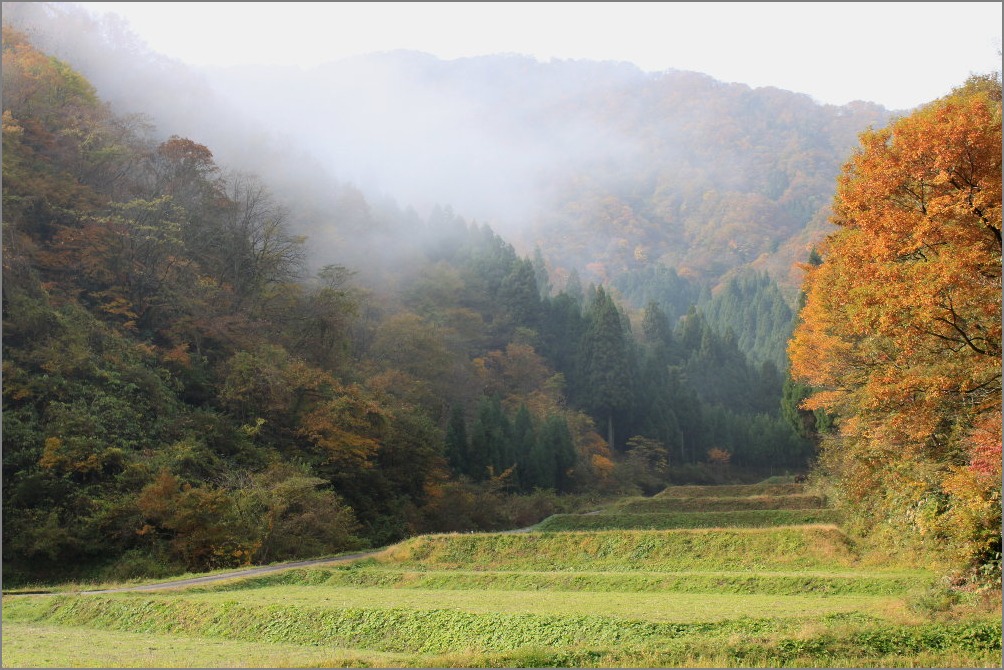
<point x="604" y="370"/>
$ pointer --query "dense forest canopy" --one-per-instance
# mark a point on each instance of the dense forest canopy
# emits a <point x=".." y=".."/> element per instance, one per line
<point x="216" y="353"/>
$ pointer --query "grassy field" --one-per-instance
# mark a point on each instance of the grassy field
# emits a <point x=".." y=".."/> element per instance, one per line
<point x="711" y="591"/>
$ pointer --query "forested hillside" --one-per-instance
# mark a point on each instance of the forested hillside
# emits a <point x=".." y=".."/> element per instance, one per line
<point x="670" y="186"/>
<point x="182" y="390"/>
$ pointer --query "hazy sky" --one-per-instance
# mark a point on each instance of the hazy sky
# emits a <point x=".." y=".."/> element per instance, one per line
<point x="899" y="54"/>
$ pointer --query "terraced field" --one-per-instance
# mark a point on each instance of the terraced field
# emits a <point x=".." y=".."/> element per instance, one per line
<point x="696" y="576"/>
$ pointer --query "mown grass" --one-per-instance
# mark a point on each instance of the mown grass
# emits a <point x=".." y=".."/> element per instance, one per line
<point x="647" y="606"/>
<point x="47" y="646"/>
<point x="397" y="629"/>
<point x="671" y="520"/>
<point x="845" y="582"/>
<point x="788" y="548"/>
<point x="716" y="504"/>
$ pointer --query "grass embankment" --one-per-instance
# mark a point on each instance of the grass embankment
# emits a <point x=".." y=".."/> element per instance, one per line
<point x="798" y="501"/>
<point x="368" y="574"/>
<point x="722" y="549"/>
<point x="767" y="488"/>
<point x="738" y="596"/>
<point x="673" y="520"/>
<point x="399" y="621"/>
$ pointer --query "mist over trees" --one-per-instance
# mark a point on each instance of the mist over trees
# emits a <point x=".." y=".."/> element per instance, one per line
<point x="607" y="169"/>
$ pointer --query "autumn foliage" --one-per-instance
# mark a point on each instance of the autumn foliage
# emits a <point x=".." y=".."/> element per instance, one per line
<point x="900" y="335"/>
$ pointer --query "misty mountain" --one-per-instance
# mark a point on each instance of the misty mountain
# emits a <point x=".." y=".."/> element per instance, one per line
<point x="605" y="168"/>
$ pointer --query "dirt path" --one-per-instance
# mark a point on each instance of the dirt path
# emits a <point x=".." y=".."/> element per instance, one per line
<point x="249" y="572"/>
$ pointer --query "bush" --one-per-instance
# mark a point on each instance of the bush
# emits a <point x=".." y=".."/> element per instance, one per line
<point x="140" y="564"/>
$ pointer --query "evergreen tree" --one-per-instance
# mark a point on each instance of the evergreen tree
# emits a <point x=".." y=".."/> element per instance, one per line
<point x="561" y="330"/>
<point x="752" y="305"/>
<point x="659" y="284"/>
<point x="604" y="365"/>
<point x="519" y="298"/>
<point x="540" y="272"/>
<point x="658" y="333"/>
<point x="491" y="440"/>
<point x="556" y="453"/>
<point x="456" y="446"/>
<point x="573" y="288"/>
<point x="655" y="405"/>
<point x="524" y="446"/>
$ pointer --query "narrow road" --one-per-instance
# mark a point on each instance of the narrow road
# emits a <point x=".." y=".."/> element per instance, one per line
<point x="249" y="572"/>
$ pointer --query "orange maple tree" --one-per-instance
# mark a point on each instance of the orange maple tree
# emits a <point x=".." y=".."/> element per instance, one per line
<point x="901" y="330"/>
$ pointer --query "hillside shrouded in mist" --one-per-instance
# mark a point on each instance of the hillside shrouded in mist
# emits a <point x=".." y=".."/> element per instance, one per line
<point x="607" y="169"/>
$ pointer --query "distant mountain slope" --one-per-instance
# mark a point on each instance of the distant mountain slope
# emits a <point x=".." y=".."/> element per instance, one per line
<point x="604" y="167"/>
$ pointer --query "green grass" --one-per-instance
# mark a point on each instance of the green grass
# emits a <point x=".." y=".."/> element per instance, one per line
<point x="971" y="644"/>
<point x="714" y="504"/>
<point x="732" y="490"/>
<point x="47" y="646"/>
<point x="671" y="520"/>
<point x="788" y="548"/>
<point x="847" y="582"/>
<point x="647" y="606"/>
<point x="395" y="629"/>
